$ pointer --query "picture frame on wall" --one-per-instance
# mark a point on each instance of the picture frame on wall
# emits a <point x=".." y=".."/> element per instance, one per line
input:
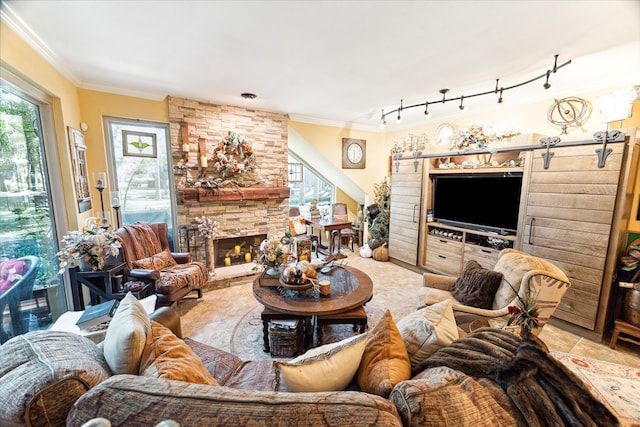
<point x="78" y="151"/>
<point x="139" y="144"/>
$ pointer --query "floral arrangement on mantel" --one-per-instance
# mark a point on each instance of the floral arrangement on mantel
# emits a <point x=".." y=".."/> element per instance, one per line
<point x="225" y="162"/>
<point x="91" y="246"/>
<point x="480" y="135"/>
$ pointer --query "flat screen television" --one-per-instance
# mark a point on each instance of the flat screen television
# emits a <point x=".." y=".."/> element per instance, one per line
<point x="489" y="202"/>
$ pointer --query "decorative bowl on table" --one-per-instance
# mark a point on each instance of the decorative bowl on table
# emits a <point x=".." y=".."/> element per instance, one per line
<point x="294" y="277"/>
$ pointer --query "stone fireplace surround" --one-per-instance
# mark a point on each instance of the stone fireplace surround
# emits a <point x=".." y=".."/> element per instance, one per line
<point x="267" y="133"/>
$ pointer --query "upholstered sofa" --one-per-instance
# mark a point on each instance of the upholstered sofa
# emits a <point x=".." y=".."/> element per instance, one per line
<point x="146" y="252"/>
<point x="485" y="379"/>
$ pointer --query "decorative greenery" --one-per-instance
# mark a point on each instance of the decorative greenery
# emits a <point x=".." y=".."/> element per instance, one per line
<point x="207" y="228"/>
<point x="226" y="163"/>
<point x="379" y="228"/>
<point x="525" y="313"/>
<point x="93" y="245"/>
<point x="273" y="253"/>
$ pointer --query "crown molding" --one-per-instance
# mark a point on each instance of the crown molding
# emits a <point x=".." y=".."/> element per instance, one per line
<point x="13" y="21"/>
<point x="333" y="123"/>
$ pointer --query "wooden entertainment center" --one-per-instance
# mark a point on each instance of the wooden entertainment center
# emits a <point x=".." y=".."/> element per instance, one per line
<point x="575" y="205"/>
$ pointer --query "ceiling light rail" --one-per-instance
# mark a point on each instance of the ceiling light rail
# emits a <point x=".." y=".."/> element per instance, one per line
<point x="499" y="90"/>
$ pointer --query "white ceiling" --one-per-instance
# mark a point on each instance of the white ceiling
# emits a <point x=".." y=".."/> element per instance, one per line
<point x="335" y="62"/>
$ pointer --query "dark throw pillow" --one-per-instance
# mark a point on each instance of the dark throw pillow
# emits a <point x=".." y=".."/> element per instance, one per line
<point x="476" y="286"/>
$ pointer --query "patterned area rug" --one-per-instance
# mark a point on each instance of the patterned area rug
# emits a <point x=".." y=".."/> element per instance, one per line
<point x="617" y="386"/>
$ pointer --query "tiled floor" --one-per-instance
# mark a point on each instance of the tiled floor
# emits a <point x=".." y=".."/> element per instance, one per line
<point x="211" y="319"/>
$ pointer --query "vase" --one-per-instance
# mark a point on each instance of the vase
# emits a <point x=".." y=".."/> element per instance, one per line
<point x="84" y="265"/>
<point x="274" y="270"/>
<point x="210" y="255"/>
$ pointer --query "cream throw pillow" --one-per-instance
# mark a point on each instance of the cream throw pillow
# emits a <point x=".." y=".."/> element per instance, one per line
<point x="427" y="330"/>
<point x="330" y="367"/>
<point x="126" y="336"/>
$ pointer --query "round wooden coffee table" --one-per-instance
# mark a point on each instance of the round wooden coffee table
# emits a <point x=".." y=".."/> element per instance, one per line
<point x="350" y="288"/>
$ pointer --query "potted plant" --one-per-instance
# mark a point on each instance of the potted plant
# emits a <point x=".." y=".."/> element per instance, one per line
<point x="88" y="249"/>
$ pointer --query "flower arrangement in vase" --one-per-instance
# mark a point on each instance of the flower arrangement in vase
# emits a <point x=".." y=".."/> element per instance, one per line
<point x="273" y="254"/>
<point x="91" y="247"/>
<point x="208" y="230"/>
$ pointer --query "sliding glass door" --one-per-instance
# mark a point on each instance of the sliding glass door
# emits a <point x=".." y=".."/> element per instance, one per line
<point x="32" y="293"/>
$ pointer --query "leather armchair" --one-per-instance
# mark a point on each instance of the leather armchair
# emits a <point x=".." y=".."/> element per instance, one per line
<point x="145" y="250"/>
<point x="527" y="274"/>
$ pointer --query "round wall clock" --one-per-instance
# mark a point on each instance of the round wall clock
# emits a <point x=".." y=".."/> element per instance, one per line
<point x="353" y="153"/>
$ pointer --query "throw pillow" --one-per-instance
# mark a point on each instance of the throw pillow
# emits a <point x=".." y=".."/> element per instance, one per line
<point x="297" y="226"/>
<point x="159" y="261"/>
<point x="168" y="357"/>
<point x="11" y="271"/>
<point x="427" y="330"/>
<point x="126" y="336"/>
<point x="330" y="367"/>
<point x="385" y="361"/>
<point x="476" y="286"/>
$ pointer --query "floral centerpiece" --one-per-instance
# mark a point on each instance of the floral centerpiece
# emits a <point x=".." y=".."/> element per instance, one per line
<point x="480" y="135"/>
<point x="273" y="254"/>
<point x="91" y="246"/>
<point x="226" y="163"/>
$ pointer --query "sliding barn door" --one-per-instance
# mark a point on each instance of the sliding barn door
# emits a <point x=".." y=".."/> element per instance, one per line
<point x="404" y="217"/>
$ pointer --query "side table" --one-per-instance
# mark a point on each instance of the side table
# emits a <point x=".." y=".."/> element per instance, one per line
<point x="103" y="285"/>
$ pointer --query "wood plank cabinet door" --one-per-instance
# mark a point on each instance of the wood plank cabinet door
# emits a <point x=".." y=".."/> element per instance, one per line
<point x="404" y="215"/>
<point x="568" y="215"/>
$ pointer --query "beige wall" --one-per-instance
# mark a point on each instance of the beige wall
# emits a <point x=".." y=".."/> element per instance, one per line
<point x="328" y="141"/>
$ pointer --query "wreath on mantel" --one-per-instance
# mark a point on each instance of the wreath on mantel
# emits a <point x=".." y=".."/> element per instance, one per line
<point x="234" y="156"/>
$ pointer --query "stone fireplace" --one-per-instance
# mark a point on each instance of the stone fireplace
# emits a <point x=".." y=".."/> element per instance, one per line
<point x="248" y="207"/>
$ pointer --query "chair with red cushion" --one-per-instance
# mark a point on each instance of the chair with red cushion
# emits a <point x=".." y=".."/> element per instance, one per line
<point x="15" y="291"/>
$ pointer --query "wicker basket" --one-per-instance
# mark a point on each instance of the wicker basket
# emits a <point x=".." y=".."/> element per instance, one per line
<point x="285" y="342"/>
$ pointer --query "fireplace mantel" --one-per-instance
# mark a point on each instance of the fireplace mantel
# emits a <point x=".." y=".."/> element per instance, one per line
<point x="199" y="195"/>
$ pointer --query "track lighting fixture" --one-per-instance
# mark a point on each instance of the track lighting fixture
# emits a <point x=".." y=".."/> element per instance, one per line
<point x="383" y="121"/>
<point x="546" y="84"/>
<point x="498" y="90"/>
<point x="427" y="113"/>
